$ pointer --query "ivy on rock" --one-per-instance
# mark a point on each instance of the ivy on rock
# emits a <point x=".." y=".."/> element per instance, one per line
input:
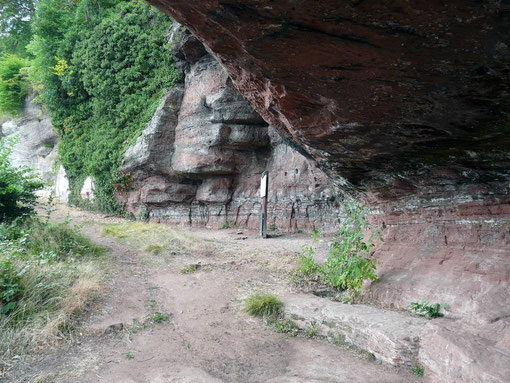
<point x="102" y="67"/>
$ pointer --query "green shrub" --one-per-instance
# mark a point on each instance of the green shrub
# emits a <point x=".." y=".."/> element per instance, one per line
<point x="263" y="305"/>
<point x="58" y="242"/>
<point x="13" y="84"/>
<point x="17" y="186"/>
<point x="307" y="267"/>
<point x="349" y="261"/>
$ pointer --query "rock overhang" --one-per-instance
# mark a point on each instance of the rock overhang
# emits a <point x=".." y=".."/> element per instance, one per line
<point x="375" y="92"/>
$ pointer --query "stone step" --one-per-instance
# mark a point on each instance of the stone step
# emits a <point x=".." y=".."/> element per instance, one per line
<point x="449" y="350"/>
<point x="391" y="336"/>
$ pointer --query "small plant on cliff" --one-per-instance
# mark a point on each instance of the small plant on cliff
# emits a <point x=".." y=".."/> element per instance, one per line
<point x="429" y="310"/>
<point x="349" y="260"/>
<point x="417" y="370"/>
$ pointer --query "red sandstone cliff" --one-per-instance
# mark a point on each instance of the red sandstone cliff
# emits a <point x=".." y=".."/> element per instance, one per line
<point x="410" y="102"/>
<point x="199" y="159"/>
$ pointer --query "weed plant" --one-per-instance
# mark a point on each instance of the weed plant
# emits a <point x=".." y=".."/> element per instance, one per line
<point x="349" y="261"/>
<point x="424" y="308"/>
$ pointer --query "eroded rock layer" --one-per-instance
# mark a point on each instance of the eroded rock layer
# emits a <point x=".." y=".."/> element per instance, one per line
<point x="409" y="101"/>
<point x="200" y="158"/>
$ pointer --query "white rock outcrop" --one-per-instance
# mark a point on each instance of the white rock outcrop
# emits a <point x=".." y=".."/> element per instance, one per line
<point x="87" y="190"/>
<point x="36" y="148"/>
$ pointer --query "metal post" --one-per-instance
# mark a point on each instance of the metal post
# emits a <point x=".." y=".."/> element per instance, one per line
<point x="264" y="191"/>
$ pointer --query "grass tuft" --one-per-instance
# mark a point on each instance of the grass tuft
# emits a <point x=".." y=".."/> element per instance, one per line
<point x="263" y="305"/>
<point x="227" y="224"/>
<point x="286" y="326"/>
<point x="154" y="249"/>
<point x="190" y="268"/>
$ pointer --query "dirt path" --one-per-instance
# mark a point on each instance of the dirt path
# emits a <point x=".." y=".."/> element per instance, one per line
<point x="204" y="337"/>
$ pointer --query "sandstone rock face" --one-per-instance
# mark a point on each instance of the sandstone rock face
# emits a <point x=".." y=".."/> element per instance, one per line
<point x="199" y="159"/>
<point x="408" y="101"/>
<point x="36" y="148"/>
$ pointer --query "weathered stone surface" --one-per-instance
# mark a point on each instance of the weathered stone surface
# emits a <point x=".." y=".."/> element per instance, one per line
<point x="374" y="91"/>
<point x="150" y="153"/>
<point x="36" y="140"/>
<point x="451" y="354"/>
<point x="215" y="190"/>
<point x="392" y="337"/>
<point x="199" y="159"/>
<point x="36" y="148"/>
<point x="449" y="350"/>
<point x="62" y="190"/>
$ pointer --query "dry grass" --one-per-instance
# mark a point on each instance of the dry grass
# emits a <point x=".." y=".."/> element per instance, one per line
<point x="57" y="284"/>
<point x="82" y="291"/>
<point x="156" y="239"/>
<point x="55" y="295"/>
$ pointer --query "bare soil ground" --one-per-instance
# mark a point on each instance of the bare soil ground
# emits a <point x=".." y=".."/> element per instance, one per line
<point x="201" y="335"/>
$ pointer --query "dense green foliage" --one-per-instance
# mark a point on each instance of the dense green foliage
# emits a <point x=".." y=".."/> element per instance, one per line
<point x="102" y="67"/>
<point x="349" y="261"/>
<point x="13" y="84"/>
<point x="15" y="25"/>
<point x="98" y="66"/>
<point x="17" y="186"/>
